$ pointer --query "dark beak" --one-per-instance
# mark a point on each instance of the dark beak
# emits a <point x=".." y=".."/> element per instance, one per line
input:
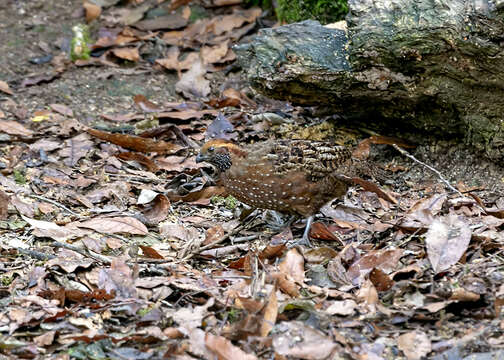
<point x="200" y="158"/>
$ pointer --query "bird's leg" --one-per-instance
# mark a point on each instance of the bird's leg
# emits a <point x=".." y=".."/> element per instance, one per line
<point x="275" y="221"/>
<point x="305" y="240"/>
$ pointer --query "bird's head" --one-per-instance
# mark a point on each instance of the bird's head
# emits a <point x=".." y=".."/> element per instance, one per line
<point x="220" y="152"/>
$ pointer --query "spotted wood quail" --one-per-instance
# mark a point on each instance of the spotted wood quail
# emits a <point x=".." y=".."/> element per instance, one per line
<point x="290" y="176"/>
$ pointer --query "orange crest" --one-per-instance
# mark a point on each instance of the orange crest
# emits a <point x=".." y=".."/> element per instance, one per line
<point x="223" y="143"/>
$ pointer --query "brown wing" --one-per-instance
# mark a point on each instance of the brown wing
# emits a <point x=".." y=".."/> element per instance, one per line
<point x="316" y="159"/>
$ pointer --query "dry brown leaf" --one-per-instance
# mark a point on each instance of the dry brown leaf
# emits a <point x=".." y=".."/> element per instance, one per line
<point x="136" y="143"/>
<point x="213" y="54"/>
<point x="224" y="349"/>
<point x="24" y="208"/>
<point x="193" y="82"/>
<point x="446" y="241"/>
<point x="144" y="104"/>
<point x="127" y="53"/>
<point x="292" y="265"/>
<point x="114" y="225"/>
<point x="150" y="253"/>
<point x="414" y="344"/>
<point x="14" y="128"/>
<point x="342" y="308"/>
<point x="270" y="313"/>
<point x="4" y="203"/>
<point x="319" y="231"/>
<point x="368" y="294"/>
<point x="385" y="260"/>
<point x="179" y="231"/>
<point x="93" y="11"/>
<point x="310" y="343"/>
<point x="158" y="209"/>
<point x="45" y="339"/>
<point x="213" y="234"/>
<point x="5" y="88"/>
<point x="119" y="279"/>
<point x="380" y="280"/>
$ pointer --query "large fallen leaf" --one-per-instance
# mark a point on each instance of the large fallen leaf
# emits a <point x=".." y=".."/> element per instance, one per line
<point x="193" y="82"/>
<point x="415" y="345"/>
<point x="447" y="240"/>
<point x="4" y="87"/>
<point x="136" y="143"/>
<point x="224" y="349"/>
<point x="92" y="11"/>
<point x="75" y="149"/>
<point x="385" y="260"/>
<point x="293" y="265"/>
<point x="114" y="225"/>
<point x="119" y="279"/>
<point x="51" y="230"/>
<point x="130" y="54"/>
<point x="14" y="128"/>
<point x="309" y="343"/>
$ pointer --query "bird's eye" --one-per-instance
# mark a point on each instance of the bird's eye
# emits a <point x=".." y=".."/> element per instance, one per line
<point x="211" y="149"/>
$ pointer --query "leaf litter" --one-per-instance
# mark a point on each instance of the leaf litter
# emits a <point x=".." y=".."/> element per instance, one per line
<point x="116" y="244"/>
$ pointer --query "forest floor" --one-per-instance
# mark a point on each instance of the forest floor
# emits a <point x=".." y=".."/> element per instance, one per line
<point x="114" y="246"/>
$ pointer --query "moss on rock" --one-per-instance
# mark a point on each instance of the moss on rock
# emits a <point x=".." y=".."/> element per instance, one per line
<point x="325" y="11"/>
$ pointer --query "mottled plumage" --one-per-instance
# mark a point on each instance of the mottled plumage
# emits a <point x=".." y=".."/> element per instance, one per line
<point x="290" y="176"/>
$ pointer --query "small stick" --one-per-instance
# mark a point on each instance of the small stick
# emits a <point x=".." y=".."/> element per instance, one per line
<point x="83" y="252"/>
<point x="54" y="203"/>
<point x="440" y="176"/>
<point x="235" y="231"/>
<point x="35" y="254"/>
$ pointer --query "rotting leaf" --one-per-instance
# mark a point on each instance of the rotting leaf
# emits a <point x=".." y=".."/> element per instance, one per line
<point x="369" y="186"/>
<point x="342" y="308"/>
<point x="46" y="78"/>
<point x="119" y="280"/>
<point x="220" y="128"/>
<point x="75" y="149"/>
<point x="447" y="240"/>
<point x="385" y="260"/>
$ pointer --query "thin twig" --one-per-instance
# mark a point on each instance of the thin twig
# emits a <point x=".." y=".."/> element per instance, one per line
<point x="35" y="254"/>
<point x="235" y="231"/>
<point x="224" y="250"/>
<point x="244" y="238"/>
<point x="440" y="176"/>
<point x="54" y="203"/>
<point x="83" y="252"/>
